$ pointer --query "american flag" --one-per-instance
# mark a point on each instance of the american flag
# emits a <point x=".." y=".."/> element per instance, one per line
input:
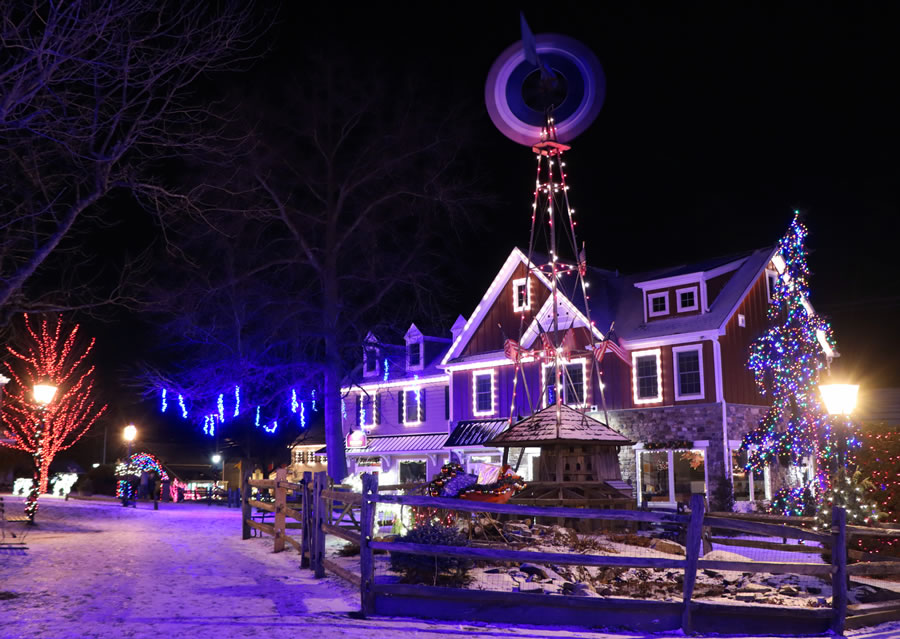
<point x="613" y="346"/>
<point x="513" y="350"/>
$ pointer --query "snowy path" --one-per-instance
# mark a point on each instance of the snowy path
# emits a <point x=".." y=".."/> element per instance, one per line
<point x="96" y="569"/>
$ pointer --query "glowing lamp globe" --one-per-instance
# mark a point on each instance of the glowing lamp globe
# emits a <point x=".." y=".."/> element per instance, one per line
<point x="840" y="399"/>
<point x="357" y="439"/>
<point x="129" y="433"/>
<point x="216" y="458"/>
<point x="44" y="393"/>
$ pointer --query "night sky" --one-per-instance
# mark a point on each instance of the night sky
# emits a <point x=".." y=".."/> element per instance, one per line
<point x="719" y="121"/>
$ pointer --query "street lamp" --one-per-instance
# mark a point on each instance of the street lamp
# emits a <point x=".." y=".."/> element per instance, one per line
<point x="43" y="395"/>
<point x="128" y="435"/>
<point x="840" y="400"/>
<point x="216" y="458"/>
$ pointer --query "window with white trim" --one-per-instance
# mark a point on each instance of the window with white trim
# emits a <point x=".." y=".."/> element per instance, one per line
<point x="748" y="485"/>
<point x="771" y="283"/>
<point x="368" y="410"/>
<point x="413" y="406"/>
<point x="687" y="299"/>
<point x="688" y="371"/>
<point x="572" y="383"/>
<point x="658" y="304"/>
<point x="483" y="393"/>
<point x="414" y="355"/>
<point x="521" y="294"/>
<point x="645" y="371"/>
<point x="670" y="476"/>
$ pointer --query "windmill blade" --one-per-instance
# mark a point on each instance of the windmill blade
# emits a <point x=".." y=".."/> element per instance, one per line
<point x="529" y="44"/>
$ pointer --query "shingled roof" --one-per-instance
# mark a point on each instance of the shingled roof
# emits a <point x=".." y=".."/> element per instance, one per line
<point x="574" y="427"/>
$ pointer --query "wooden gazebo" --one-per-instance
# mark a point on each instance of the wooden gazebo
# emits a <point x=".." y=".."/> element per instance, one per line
<point x="579" y="461"/>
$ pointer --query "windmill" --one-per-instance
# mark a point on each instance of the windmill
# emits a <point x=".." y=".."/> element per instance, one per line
<point x="543" y="92"/>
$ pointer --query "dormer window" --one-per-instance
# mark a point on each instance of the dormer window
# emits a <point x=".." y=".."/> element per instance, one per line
<point x="658" y="304"/>
<point x="521" y="294"/>
<point x="686" y="299"/>
<point x="370" y="361"/>
<point x="414" y="355"/>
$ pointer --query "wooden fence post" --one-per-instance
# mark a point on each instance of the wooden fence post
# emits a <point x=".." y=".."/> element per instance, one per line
<point x="280" y="503"/>
<point x="692" y="552"/>
<point x="245" y="499"/>
<point x="367" y="512"/>
<point x="307" y="521"/>
<point x="839" y="569"/>
<point x="320" y="483"/>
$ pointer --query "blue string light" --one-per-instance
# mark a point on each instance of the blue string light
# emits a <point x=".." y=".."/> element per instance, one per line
<point x="221" y="406"/>
<point x="302" y="416"/>
<point x="271" y="429"/>
<point x="314" y="401"/>
<point x="165" y="404"/>
<point x="209" y="424"/>
<point x="386" y="369"/>
<point x="237" y="400"/>
<point x="184" y="412"/>
<point x="257" y="417"/>
<point x="343" y="409"/>
<point x="294" y="403"/>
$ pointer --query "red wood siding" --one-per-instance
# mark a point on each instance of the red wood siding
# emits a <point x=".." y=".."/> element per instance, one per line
<point x="738" y="383"/>
<point x="715" y="285"/>
<point x="667" y="365"/>
<point x="488" y="336"/>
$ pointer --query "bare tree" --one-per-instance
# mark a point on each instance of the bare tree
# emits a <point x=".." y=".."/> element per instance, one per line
<point x="360" y="190"/>
<point x="98" y="97"/>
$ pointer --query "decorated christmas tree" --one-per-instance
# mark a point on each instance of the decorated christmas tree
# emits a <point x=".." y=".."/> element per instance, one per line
<point x="786" y="362"/>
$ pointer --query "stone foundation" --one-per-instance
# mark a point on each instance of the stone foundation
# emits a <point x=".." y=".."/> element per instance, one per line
<point x="693" y="422"/>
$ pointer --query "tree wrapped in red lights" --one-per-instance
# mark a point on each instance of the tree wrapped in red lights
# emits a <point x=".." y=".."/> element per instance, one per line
<point x="786" y="361"/>
<point x="51" y="355"/>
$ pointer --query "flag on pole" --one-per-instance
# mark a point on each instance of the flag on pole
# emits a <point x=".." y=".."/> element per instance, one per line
<point x="513" y="350"/>
<point x="611" y="345"/>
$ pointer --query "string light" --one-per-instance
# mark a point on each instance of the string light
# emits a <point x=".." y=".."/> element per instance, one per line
<point x="294" y="403"/>
<point x="165" y="404"/>
<point x="220" y="403"/>
<point x="386" y="370"/>
<point x="313" y="400"/>
<point x="184" y="411"/>
<point x="302" y="416"/>
<point x="256" y="423"/>
<point x="237" y="400"/>
<point x="271" y="429"/>
<point x="785" y="362"/>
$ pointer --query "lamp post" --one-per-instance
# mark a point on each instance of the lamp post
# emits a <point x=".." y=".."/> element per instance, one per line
<point x="128" y="434"/>
<point x="840" y="400"/>
<point x="216" y="459"/>
<point x="43" y="394"/>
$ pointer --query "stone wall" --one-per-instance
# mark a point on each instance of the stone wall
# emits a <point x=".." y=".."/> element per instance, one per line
<point x="691" y="422"/>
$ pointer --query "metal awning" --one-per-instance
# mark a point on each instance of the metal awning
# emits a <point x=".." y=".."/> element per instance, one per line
<point x="475" y="432"/>
<point x="401" y="445"/>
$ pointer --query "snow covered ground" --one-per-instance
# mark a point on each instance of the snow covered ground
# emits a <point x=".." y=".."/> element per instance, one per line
<point x="95" y="569"/>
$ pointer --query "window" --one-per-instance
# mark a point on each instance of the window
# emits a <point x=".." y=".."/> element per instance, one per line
<point x="748" y="485"/>
<point x="414" y="354"/>
<point x="658" y="304"/>
<point x="688" y="371"/>
<point x="521" y="294"/>
<point x="370" y="359"/>
<point x="771" y="283"/>
<point x="413" y="406"/>
<point x="483" y="393"/>
<point x="446" y="402"/>
<point x="645" y="374"/>
<point x="686" y="299"/>
<point x="367" y="410"/>
<point x="671" y="475"/>
<point x="412" y="472"/>
<point x="572" y="383"/>
<point x="742" y="320"/>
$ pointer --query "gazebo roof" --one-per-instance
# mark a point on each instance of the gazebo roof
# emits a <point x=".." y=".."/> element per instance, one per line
<point x="574" y="427"/>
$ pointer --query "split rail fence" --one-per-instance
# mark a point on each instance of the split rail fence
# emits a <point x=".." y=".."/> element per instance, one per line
<point x="329" y="510"/>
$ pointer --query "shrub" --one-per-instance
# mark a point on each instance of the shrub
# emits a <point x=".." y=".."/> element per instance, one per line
<point x="428" y="569"/>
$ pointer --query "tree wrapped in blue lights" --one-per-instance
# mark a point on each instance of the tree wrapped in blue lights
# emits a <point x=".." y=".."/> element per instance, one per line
<point x="786" y="361"/>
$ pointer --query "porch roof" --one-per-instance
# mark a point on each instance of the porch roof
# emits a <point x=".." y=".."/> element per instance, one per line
<point x="401" y="445"/>
<point x="475" y="432"/>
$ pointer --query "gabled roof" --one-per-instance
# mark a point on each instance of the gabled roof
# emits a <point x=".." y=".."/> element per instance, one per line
<point x="541" y="428"/>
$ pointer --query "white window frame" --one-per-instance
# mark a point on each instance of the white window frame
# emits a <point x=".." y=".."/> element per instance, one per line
<point x="733" y="447"/>
<point x="561" y="389"/>
<point x="701" y="446"/>
<point x="634" y="378"/>
<point x="373" y="398"/>
<point x="770" y="274"/>
<point x="682" y="349"/>
<point x="687" y="289"/>
<point x="482" y="373"/>
<point x="421" y="364"/>
<point x="653" y="296"/>
<point x="417" y="391"/>
<point x="526" y="282"/>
